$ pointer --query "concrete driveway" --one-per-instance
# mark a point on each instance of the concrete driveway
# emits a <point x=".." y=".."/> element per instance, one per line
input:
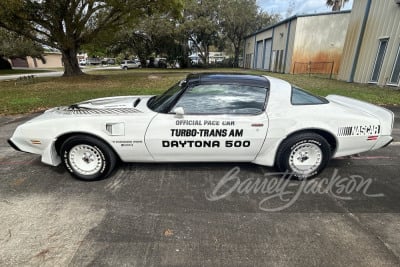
<point x="52" y="73"/>
<point x="180" y="215"/>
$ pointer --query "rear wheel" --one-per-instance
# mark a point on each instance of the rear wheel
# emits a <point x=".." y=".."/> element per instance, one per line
<point x="87" y="158"/>
<point x="303" y="155"/>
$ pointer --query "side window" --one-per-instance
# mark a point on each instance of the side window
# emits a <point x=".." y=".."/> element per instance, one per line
<point x="223" y="99"/>
<point x="301" y="97"/>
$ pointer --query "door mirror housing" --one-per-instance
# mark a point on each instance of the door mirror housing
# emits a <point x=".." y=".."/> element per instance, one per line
<point x="179" y="111"/>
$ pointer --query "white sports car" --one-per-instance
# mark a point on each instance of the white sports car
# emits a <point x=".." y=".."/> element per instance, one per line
<point x="207" y="117"/>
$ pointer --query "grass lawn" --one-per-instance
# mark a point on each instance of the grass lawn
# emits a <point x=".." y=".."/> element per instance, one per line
<point x="51" y="92"/>
<point x="23" y="71"/>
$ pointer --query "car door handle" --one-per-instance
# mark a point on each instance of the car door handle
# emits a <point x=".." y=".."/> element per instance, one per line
<point x="257" y="124"/>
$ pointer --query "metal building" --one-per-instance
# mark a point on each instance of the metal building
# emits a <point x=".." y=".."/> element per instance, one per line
<point x="372" y="47"/>
<point x="292" y="44"/>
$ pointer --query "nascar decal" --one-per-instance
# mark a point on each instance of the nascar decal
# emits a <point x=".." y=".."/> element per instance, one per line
<point x="183" y="133"/>
<point x="359" y="130"/>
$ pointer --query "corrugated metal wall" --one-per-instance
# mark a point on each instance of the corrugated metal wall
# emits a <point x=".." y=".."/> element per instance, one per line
<point x="249" y="52"/>
<point x="320" y="39"/>
<point x="290" y="47"/>
<point x="279" y="46"/>
<point x="352" y="36"/>
<point x="383" y="22"/>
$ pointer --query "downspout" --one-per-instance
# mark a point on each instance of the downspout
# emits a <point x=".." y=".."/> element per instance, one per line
<point x="287" y="45"/>
<point x="359" y="43"/>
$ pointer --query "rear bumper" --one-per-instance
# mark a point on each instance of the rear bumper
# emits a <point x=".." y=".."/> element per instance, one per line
<point x="382" y="142"/>
<point x="388" y="143"/>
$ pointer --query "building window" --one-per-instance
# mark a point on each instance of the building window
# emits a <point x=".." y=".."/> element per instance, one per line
<point x="395" y="77"/>
<point x="379" y="60"/>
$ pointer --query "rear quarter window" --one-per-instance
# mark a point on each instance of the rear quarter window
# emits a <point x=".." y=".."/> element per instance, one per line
<point x="301" y="97"/>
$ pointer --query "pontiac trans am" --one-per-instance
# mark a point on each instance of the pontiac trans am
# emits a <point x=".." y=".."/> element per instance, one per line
<point x="207" y="117"/>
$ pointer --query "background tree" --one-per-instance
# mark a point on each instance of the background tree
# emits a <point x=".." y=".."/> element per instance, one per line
<point x="68" y="24"/>
<point x="148" y="39"/>
<point x="239" y="18"/>
<point x="291" y="8"/>
<point x="264" y="20"/>
<point x="336" y="4"/>
<point x="200" y="25"/>
<point x="13" y="45"/>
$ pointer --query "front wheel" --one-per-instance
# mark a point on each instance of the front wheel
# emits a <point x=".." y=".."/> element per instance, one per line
<point x="87" y="158"/>
<point x="303" y="155"/>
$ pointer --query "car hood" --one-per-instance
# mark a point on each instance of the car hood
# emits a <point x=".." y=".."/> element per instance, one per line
<point x="111" y="102"/>
<point x="107" y="105"/>
<point x="101" y="106"/>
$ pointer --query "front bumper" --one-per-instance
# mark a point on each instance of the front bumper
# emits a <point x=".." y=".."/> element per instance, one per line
<point x="11" y="143"/>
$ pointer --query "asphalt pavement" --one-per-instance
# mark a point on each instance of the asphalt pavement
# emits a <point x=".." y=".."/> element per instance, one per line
<point x="185" y="215"/>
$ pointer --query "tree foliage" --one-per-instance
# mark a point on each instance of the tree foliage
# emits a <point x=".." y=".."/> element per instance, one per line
<point x="69" y="24"/>
<point x="239" y="18"/>
<point x="140" y="27"/>
<point x="13" y="45"/>
<point x="200" y="25"/>
<point x="336" y="4"/>
<point x="155" y="35"/>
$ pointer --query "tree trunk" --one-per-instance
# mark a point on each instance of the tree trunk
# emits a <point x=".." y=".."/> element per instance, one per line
<point x="236" y="59"/>
<point x="185" y="61"/>
<point x="71" y="64"/>
<point x="206" y="55"/>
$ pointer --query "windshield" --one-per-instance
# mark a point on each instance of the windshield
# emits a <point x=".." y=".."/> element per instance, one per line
<point x="161" y="103"/>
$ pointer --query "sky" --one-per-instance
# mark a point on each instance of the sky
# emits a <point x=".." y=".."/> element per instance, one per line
<point x="300" y="6"/>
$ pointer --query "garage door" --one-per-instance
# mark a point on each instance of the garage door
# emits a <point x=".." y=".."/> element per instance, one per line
<point x="267" y="53"/>
<point x="259" y="56"/>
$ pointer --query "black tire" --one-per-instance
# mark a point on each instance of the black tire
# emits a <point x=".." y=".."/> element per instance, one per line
<point x="125" y="68"/>
<point x="87" y="158"/>
<point x="295" y="151"/>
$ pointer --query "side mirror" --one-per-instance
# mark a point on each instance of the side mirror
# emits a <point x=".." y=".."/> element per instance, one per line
<point x="179" y="111"/>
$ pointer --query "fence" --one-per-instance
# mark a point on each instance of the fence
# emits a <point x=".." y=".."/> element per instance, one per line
<point x="325" y="68"/>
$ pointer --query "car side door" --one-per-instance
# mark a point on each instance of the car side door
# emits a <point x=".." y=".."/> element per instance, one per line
<point x="211" y="122"/>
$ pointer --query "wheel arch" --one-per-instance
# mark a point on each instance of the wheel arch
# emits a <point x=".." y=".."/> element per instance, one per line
<point x="329" y="137"/>
<point x="61" y="139"/>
